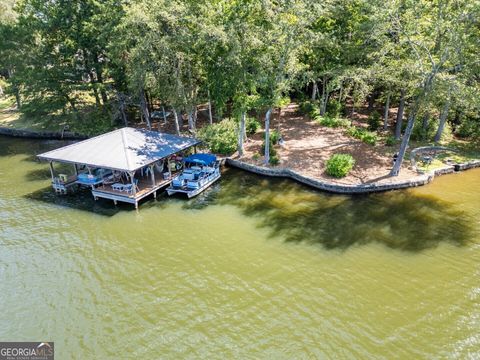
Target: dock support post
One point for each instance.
(154, 194)
(51, 170)
(132, 179)
(152, 172)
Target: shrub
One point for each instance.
(275, 137)
(339, 165)
(469, 128)
(333, 122)
(367, 137)
(221, 138)
(334, 108)
(252, 125)
(374, 121)
(390, 141)
(306, 107)
(271, 149)
(274, 160)
(311, 109)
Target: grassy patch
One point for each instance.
(366, 136)
(332, 122)
(85, 122)
(6, 103)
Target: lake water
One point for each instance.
(253, 268)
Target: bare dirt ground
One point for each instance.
(308, 146)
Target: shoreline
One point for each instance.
(350, 189)
(315, 183)
(45, 135)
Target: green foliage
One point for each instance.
(374, 121)
(275, 137)
(333, 122)
(272, 150)
(335, 108)
(339, 165)
(310, 108)
(221, 138)
(252, 125)
(306, 107)
(274, 160)
(469, 128)
(390, 141)
(367, 137)
(92, 123)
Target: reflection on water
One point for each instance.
(399, 220)
(245, 270)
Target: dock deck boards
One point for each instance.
(145, 189)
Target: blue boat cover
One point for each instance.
(205, 159)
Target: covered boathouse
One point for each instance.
(123, 165)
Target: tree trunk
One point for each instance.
(427, 85)
(371, 100)
(148, 99)
(324, 100)
(177, 125)
(443, 120)
(241, 134)
(121, 102)
(164, 115)
(17, 97)
(385, 116)
(72, 103)
(425, 119)
(403, 147)
(98, 70)
(144, 109)
(195, 117)
(15, 90)
(191, 124)
(314, 91)
(267, 136)
(210, 118)
(401, 107)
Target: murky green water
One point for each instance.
(254, 268)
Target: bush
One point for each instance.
(274, 160)
(333, 122)
(275, 137)
(221, 138)
(311, 109)
(252, 125)
(469, 128)
(306, 107)
(390, 141)
(271, 149)
(334, 108)
(367, 137)
(339, 165)
(374, 121)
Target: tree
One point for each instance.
(439, 44)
